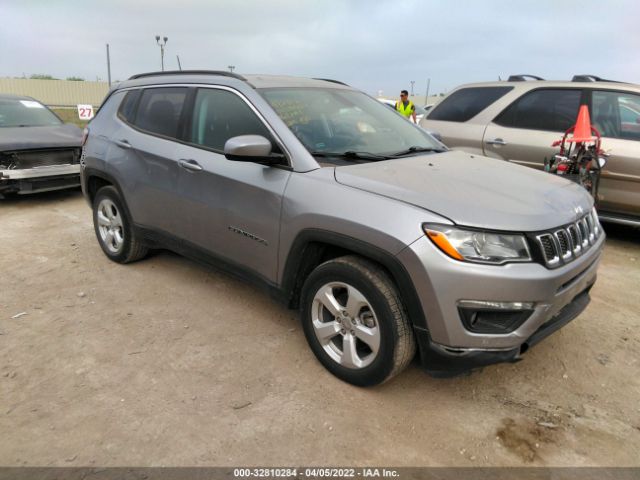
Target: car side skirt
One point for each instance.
(158, 239)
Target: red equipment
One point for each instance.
(581, 157)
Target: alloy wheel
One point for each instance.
(345, 325)
(110, 226)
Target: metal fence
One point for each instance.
(57, 93)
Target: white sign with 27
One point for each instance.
(85, 112)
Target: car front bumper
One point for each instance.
(443, 361)
(448, 347)
(39, 172)
(39, 179)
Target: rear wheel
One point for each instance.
(355, 322)
(114, 229)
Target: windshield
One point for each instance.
(25, 113)
(420, 110)
(345, 121)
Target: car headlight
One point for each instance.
(478, 246)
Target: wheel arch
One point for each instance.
(94, 183)
(95, 180)
(313, 247)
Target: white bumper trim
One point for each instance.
(39, 172)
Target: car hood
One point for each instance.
(26, 138)
(473, 190)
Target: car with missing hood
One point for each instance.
(386, 242)
(38, 151)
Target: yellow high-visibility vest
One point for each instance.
(406, 111)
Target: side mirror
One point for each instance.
(251, 148)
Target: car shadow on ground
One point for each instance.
(14, 199)
(624, 233)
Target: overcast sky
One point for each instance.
(373, 45)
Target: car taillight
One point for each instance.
(85, 135)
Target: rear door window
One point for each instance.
(466, 103)
(159, 110)
(616, 114)
(552, 110)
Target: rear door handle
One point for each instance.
(496, 141)
(123, 144)
(191, 165)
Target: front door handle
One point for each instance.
(123, 144)
(191, 165)
(496, 141)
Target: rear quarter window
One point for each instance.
(105, 114)
(466, 103)
(616, 114)
(127, 108)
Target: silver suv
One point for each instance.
(519, 119)
(384, 240)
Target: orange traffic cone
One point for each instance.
(582, 132)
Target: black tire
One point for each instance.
(132, 248)
(397, 343)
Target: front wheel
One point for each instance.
(355, 322)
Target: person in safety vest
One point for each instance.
(405, 107)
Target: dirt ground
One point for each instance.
(166, 362)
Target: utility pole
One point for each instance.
(108, 66)
(179, 66)
(231, 68)
(412, 82)
(161, 45)
(426, 97)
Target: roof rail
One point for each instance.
(220, 73)
(590, 78)
(522, 78)
(332, 81)
(586, 78)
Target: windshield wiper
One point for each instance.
(414, 149)
(350, 154)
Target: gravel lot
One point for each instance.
(166, 362)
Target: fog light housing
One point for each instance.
(493, 317)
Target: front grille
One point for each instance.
(569, 242)
(584, 233)
(548, 249)
(576, 243)
(562, 236)
(22, 159)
